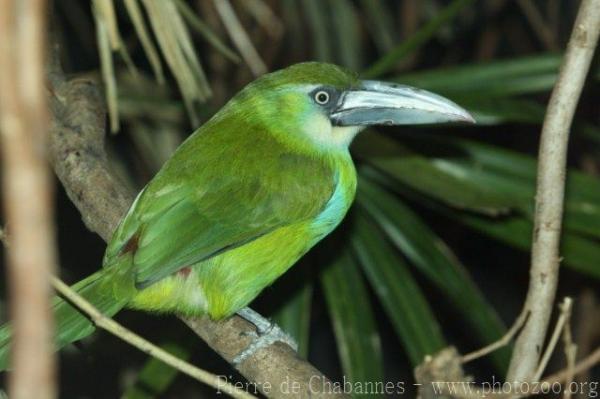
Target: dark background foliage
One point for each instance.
(435, 251)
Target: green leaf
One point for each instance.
(581, 186)
(489, 111)
(435, 260)
(420, 37)
(294, 317)
(486, 179)
(344, 21)
(422, 175)
(316, 16)
(397, 290)
(514, 175)
(353, 321)
(380, 22)
(517, 76)
(579, 253)
(507, 77)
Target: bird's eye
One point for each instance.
(322, 97)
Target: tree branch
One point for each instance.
(27, 193)
(142, 344)
(585, 364)
(78, 156)
(550, 191)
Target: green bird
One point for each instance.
(244, 197)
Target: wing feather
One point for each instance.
(203, 202)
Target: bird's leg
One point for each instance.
(262, 324)
(266, 334)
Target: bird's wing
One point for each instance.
(189, 214)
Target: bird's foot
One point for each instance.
(266, 334)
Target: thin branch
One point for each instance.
(77, 154)
(587, 327)
(137, 19)
(108, 72)
(550, 190)
(539, 26)
(553, 12)
(240, 37)
(3, 237)
(471, 391)
(264, 16)
(565, 315)
(584, 365)
(145, 346)
(205, 31)
(505, 340)
(570, 354)
(464, 389)
(27, 194)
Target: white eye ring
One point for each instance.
(322, 97)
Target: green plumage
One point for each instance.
(244, 197)
(230, 212)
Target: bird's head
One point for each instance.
(323, 105)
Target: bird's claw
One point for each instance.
(264, 336)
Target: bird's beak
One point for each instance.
(379, 103)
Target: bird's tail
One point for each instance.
(70, 324)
